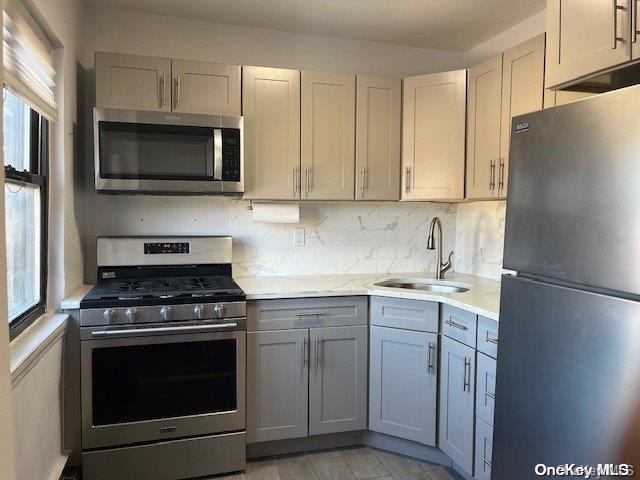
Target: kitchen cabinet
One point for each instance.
(277, 381)
(483, 127)
(403, 384)
(562, 97)
(132, 82)
(271, 109)
(483, 450)
(327, 136)
(457, 387)
(378, 138)
(338, 379)
(433, 136)
(587, 37)
(205, 87)
(522, 92)
(486, 383)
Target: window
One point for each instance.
(25, 192)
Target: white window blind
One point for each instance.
(28, 59)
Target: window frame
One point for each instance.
(36, 176)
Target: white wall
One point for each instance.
(158, 35)
(525, 30)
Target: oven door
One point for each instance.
(166, 153)
(139, 385)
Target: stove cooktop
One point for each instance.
(163, 291)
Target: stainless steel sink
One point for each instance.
(425, 284)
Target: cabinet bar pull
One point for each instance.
(430, 353)
(305, 352)
(307, 187)
(490, 395)
(616, 38)
(178, 90)
(466, 386)
(407, 179)
(501, 175)
(491, 339)
(295, 183)
(453, 324)
(492, 174)
(362, 187)
(315, 348)
(161, 92)
(486, 462)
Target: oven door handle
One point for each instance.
(141, 332)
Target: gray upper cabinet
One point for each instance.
(403, 383)
(132, 82)
(328, 135)
(457, 402)
(378, 138)
(204, 87)
(338, 379)
(582, 40)
(271, 110)
(277, 381)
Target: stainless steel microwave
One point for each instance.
(170, 153)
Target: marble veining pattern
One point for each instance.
(479, 238)
(339, 238)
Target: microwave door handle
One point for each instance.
(217, 154)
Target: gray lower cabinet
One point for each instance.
(338, 379)
(484, 443)
(277, 382)
(403, 384)
(457, 386)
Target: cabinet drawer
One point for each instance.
(488, 336)
(404, 313)
(306, 313)
(484, 446)
(459, 325)
(486, 383)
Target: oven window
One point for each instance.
(155, 152)
(147, 382)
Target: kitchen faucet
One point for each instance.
(441, 267)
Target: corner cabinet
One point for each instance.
(587, 37)
(135, 82)
(433, 136)
(328, 136)
(378, 138)
(271, 108)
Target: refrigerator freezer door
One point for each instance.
(568, 378)
(574, 192)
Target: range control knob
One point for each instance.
(132, 314)
(166, 313)
(200, 312)
(110, 315)
(220, 311)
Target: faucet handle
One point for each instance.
(448, 265)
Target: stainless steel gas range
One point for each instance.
(162, 360)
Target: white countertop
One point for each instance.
(483, 298)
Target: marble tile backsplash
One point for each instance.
(479, 238)
(341, 237)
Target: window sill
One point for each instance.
(28, 347)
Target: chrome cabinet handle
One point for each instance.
(317, 353)
(490, 395)
(430, 354)
(466, 386)
(492, 175)
(407, 179)
(305, 352)
(162, 81)
(178, 89)
(307, 187)
(486, 462)
(491, 339)
(453, 324)
(501, 175)
(363, 186)
(616, 38)
(295, 183)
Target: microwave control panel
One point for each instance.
(231, 154)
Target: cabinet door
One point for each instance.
(433, 136)
(328, 135)
(581, 37)
(483, 127)
(484, 447)
(277, 382)
(338, 379)
(403, 384)
(132, 82)
(378, 138)
(204, 87)
(271, 110)
(522, 92)
(457, 369)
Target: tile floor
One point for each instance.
(358, 463)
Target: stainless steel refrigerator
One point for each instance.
(568, 375)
